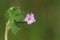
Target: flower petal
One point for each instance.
(27, 17)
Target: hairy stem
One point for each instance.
(7, 28)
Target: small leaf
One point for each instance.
(15, 28)
(19, 17)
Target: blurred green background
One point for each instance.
(47, 25)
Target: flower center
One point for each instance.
(29, 18)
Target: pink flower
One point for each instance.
(30, 18)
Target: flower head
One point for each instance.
(30, 18)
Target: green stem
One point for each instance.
(7, 28)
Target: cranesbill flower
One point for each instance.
(30, 18)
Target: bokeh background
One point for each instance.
(47, 25)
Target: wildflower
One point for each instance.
(30, 18)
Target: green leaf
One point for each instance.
(14, 14)
(19, 17)
(15, 28)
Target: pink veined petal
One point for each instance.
(27, 22)
(27, 17)
(32, 14)
(32, 17)
(30, 22)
